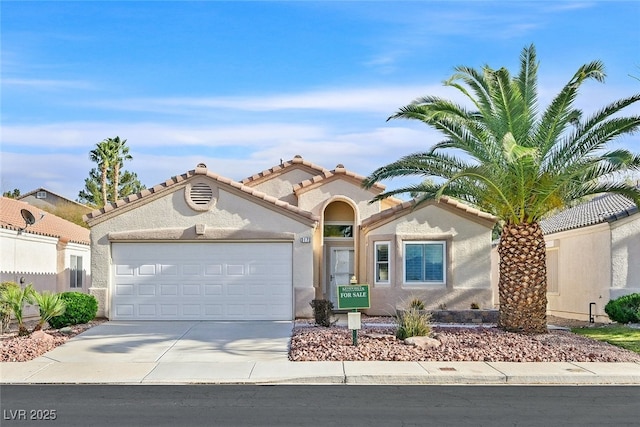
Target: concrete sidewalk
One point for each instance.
(257, 353)
(43, 371)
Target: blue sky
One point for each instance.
(241, 85)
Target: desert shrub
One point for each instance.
(322, 311)
(5, 307)
(80, 308)
(475, 306)
(50, 305)
(417, 304)
(625, 309)
(15, 297)
(413, 323)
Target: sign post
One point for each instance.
(353, 297)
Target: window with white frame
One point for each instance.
(425, 262)
(41, 195)
(75, 272)
(382, 264)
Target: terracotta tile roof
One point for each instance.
(406, 207)
(340, 170)
(201, 169)
(50, 225)
(604, 208)
(279, 169)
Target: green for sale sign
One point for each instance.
(353, 296)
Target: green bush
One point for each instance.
(322, 311)
(625, 309)
(80, 308)
(413, 323)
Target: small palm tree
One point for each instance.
(15, 298)
(518, 164)
(50, 304)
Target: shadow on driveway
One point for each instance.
(178, 341)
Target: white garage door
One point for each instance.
(202, 281)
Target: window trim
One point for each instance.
(445, 260)
(376, 263)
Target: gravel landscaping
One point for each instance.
(376, 341)
(457, 344)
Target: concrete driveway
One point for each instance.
(179, 341)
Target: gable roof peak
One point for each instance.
(297, 161)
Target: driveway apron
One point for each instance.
(177, 341)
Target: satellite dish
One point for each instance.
(28, 217)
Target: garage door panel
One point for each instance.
(251, 281)
(125, 289)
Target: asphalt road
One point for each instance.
(335, 405)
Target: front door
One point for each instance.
(340, 270)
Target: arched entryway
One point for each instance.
(339, 233)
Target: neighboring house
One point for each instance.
(201, 246)
(593, 256)
(50, 201)
(53, 254)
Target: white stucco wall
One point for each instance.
(28, 253)
(625, 256)
(234, 217)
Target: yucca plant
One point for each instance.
(50, 304)
(505, 156)
(15, 298)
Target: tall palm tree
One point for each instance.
(121, 153)
(504, 157)
(103, 156)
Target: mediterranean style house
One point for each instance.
(202, 246)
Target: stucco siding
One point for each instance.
(468, 260)
(584, 271)
(164, 217)
(314, 199)
(281, 186)
(625, 256)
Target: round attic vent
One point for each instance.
(200, 195)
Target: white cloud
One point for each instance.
(43, 84)
(366, 100)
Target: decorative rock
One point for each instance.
(67, 330)
(41, 335)
(378, 336)
(423, 342)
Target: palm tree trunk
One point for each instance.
(116, 179)
(522, 286)
(104, 184)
